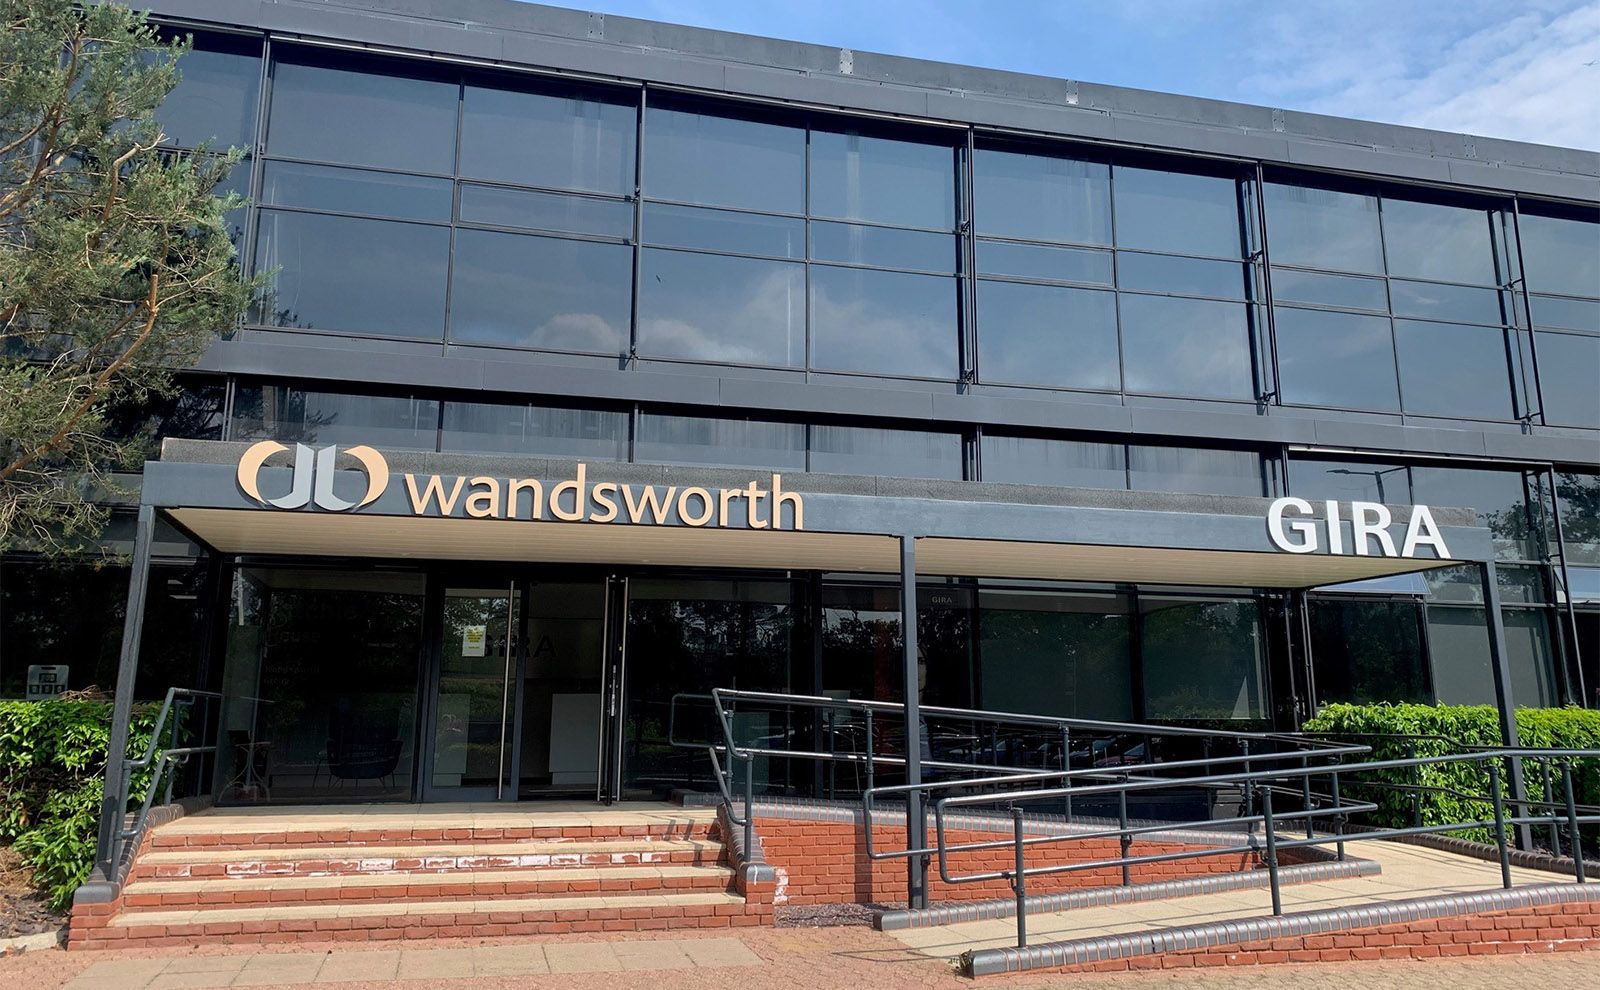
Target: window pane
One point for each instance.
(1186, 347)
(1448, 370)
(1497, 495)
(1067, 463)
(1041, 197)
(893, 453)
(1177, 212)
(1202, 658)
(1047, 335)
(736, 443)
(1344, 291)
(724, 230)
(1194, 470)
(215, 99)
(1569, 379)
(541, 292)
(1323, 228)
(577, 434)
(697, 157)
(1569, 314)
(1365, 652)
(1458, 646)
(1533, 676)
(363, 117)
(1189, 276)
(546, 211)
(1455, 303)
(337, 273)
(1425, 240)
(1315, 479)
(856, 176)
(885, 323)
(883, 247)
(730, 310)
(349, 190)
(1038, 261)
(1560, 254)
(564, 137)
(1046, 653)
(1578, 499)
(293, 415)
(1336, 359)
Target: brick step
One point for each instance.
(425, 858)
(464, 918)
(591, 880)
(195, 837)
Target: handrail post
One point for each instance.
(1338, 816)
(1272, 849)
(1573, 838)
(1122, 821)
(1249, 792)
(1549, 795)
(1019, 878)
(1416, 785)
(872, 760)
(1305, 794)
(749, 805)
(1500, 823)
(1066, 767)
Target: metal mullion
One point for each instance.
(450, 263)
(257, 156)
(967, 266)
(1527, 314)
(290, 160)
(805, 256)
(1116, 302)
(641, 105)
(1388, 297)
(1263, 305)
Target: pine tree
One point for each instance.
(116, 267)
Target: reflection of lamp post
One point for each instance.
(1377, 476)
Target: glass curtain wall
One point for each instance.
(1454, 645)
(320, 681)
(1561, 262)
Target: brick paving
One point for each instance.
(757, 959)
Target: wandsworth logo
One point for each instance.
(313, 476)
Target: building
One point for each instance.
(609, 361)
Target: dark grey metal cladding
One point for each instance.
(201, 474)
(512, 33)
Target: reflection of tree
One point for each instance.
(1368, 651)
(1578, 495)
(281, 413)
(1199, 656)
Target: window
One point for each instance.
(214, 101)
(541, 431)
(719, 308)
(1562, 259)
(886, 323)
(361, 113)
(555, 137)
(542, 292)
(894, 453)
(1189, 347)
(694, 154)
(1037, 195)
(1177, 212)
(1364, 652)
(1066, 463)
(294, 415)
(1317, 479)
(1578, 501)
(1048, 335)
(1048, 653)
(1203, 658)
(1427, 337)
(343, 273)
(722, 442)
(882, 179)
(1196, 470)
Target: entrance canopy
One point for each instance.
(269, 498)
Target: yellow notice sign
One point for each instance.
(473, 640)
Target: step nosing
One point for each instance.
(213, 854)
(129, 918)
(291, 881)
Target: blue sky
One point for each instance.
(1523, 69)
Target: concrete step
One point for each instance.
(336, 889)
(427, 858)
(452, 918)
(197, 833)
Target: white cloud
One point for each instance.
(1530, 74)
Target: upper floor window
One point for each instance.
(1388, 304)
(1059, 234)
(1561, 264)
(214, 102)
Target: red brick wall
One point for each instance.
(826, 862)
(1547, 928)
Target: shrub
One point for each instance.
(52, 772)
(1446, 729)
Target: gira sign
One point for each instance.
(753, 506)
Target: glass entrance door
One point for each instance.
(480, 639)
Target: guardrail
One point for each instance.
(169, 721)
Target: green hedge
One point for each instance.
(1461, 725)
(52, 772)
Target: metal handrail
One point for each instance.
(171, 756)
(1264, 783)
